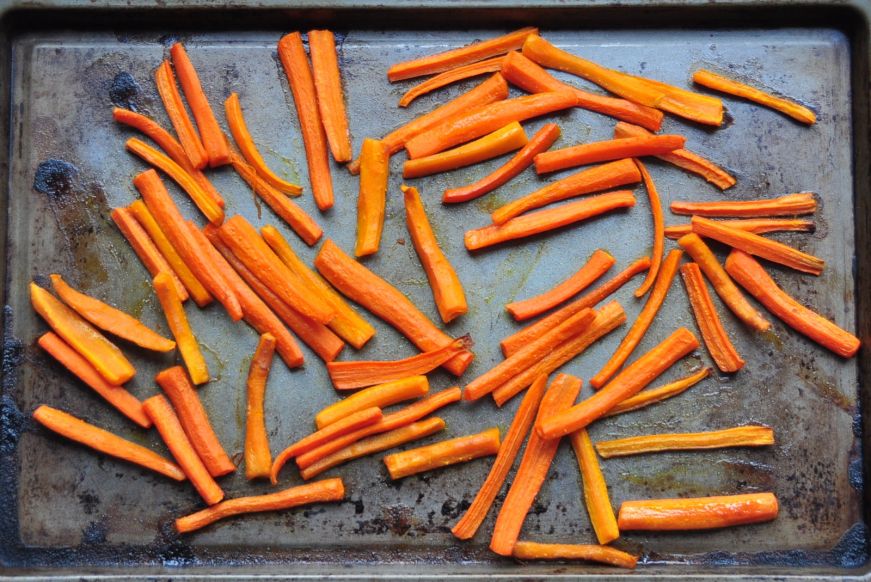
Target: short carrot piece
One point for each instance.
(605, 151)
(654, 395)
(591, 553)
(754, 225)
(595, 489)
(188, 344)
(788, 205)
(491, 65)
(75, 429)
(596, 266)
(719, 83)
(328, 87)
(697, 513)
(443, 454)
(164, 79)
(258, 458)
(739, 436)
(658, 231)
(372, 196)
(381, 396)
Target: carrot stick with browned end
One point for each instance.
(740, 436)
(591, 553)
(697, 513)
(658, 231)
(788, 205)
(372, 196)
(754, 225)
(605, 151)
(654, 395)
(732, 87)
(258, 459)
(328, 86)
(491, 65)
(443, 454)
(164, 79)
(382, 396)
(595, 489)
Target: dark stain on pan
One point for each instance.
(95, 532)
(125, 92)
(12, 421)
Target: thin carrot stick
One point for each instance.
(443, 454)
(604, 554)
(451, 76)
(372, 196)
(788, 205)
(724, 85)
(595, 489)
(328, 86)
(188, 345)
(654, 395)
(164, 79)
(605, 151)
(258, 459)
(755, 225)
(658, 231)
(697, 513)
(381, 395)
(739, 436)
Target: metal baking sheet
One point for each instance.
(66, 510)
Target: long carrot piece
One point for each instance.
(302, 85)
(788, 205)
(697, 513)
(755, 225)
(491, 65)
(188, 345)
(328, 86)
(606, 555)
(752, 277)
(724, 85)
(520, 425)
(536, 461)
(381, 395)
(372, 196)
(658, 231)
(605, 151)
(642, 323)
(595, 489)
(654, 395)
(78, 430)
(624, 385)
(360, 284)
(739, 436)
(443, 454)
(458, 57)
(258, 459)
(164, 79)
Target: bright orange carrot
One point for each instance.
(755, 225)
(788, 205)
(654, 395)
(443, 454)
(451, 76)
(78, 430)
(714, 335)
(328, 86)
(697, 513)
(724, 85)
(188, 345)
(258, 459)
(658, 231)
(382, 396)
(164, 79)
(739, 436)
(605, 151)
(595, 489)
(604, 554)
(372, 196)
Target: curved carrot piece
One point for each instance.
(443, 454)
(697, 513)
(188, 344)
(739, 436)
(382, 396)
(372, 196)
(164, 79)
(604, 554)
(595, 489)
(328, 85)
(492, 65)
(258, 459)
(755, 225)
(788, 205)
(605, 151)
(654, 395)
(658, 231)
(785, 106)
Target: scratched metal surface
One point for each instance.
(74, 509)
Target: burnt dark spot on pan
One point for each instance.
(95, 533)
(89, 502)
(453, 509)
(56, 179)
(125, 92)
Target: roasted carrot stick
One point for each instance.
(642, 323)
(451, 76)
(164, 79)
(372, 196)
(595, 489)
(302, 85)
(447, 290)
(724, 85)
(755, 225)
(172, 433)
(317, 492)
(328, 87)
(458, 57)
(654, 395)
(477, 511)
(624, 385)
(372, 292)
(258, 459)
(188, 345)
(443, 454)
(117, 396)
(605, 151)
(84, 339)
(382, 396)
(682, 158)
(522, 337)
(534, 465)
(592, 553)
(497, 143)
(658, 231)
(739, 436)
(788, 205)
(751, 276)
(596, 266)
(697, 513)
(604, 177)
(110, 319)
(78, 430)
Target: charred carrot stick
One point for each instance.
(372, 196)
(755, 225)
(724, 85)
(642, 323)
(328, 87)
(604, 177)
(168, 425)
(458, 57)
(381, 298)
(164, 79)
(110, 319)
(788, 205)
(451, 76)
(381, 395)
(82, 432)
(658, 231)
(534, 465)
(591, 553)
(447, 290)
(654, 395)
(624, 385)
(258, 459)
(595, 489)
(522, 337)
(697, 513)
(543, 139)
(739, 436)
(596, 266)
(188, 345)
(497, 143)
(117, 396)
(302, 85)
(751, 276)
(317, 492)
(477, 511)
(443, 454)
(605, 151)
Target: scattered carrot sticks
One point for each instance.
(595, 489)
(78, 430)
(328, 87)
(724, 85)
(188, 345)
(382, 396)
(605, 151)
(754, 225)
(372, 196)
(443, 454)
(164, 78)
(658, 231)
(788, 205)
(258, 459)
(451, 76)
(739, 436)
(458, 57)
(596, 266)
(714, 335)
(751, 276)
(592, 553)
(697, 513)
(654, 395)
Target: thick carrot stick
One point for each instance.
(381, 298)
(477, 511)
(258, 459)
(605, 151)
(788, 205)
(447, 290)
(497, 143)
(654, 395)
(724, 85)
(604, 177)
(328, 87)
(302, 85)
(697, 513)
(596, 266)
(78, 430)
(642, 323)
(317, 492)
(751, 276)
(117, 396)
(592, 553)
(543, 139)
(172, 433)
(188, 345)
(381, 395)
(537, 458)
(451, 76)
(372, 196)
(443, 454)
(624, 385)
(164, 79)
(458, 57)
(739, 436)
(595, 489)
(658, 231)
(755, 225)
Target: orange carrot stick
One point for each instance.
(302, 85)
(739, 436)
(372, 196)
(451, 76)
(382, 396)
(604, 554)
(595, 489)
(188, 345)
(624, 385)
(658, 231)
(328, 86)
(750, 275)
(697, 513)
(536, 461)
(258, 459)
(164, 79)
(477, 511)
(78, 430)
(596, 266)
(654, 395)
(788, 205)
(605, 151)
(458, 57)
(443, 454)
(724, 85)
(755, 225)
